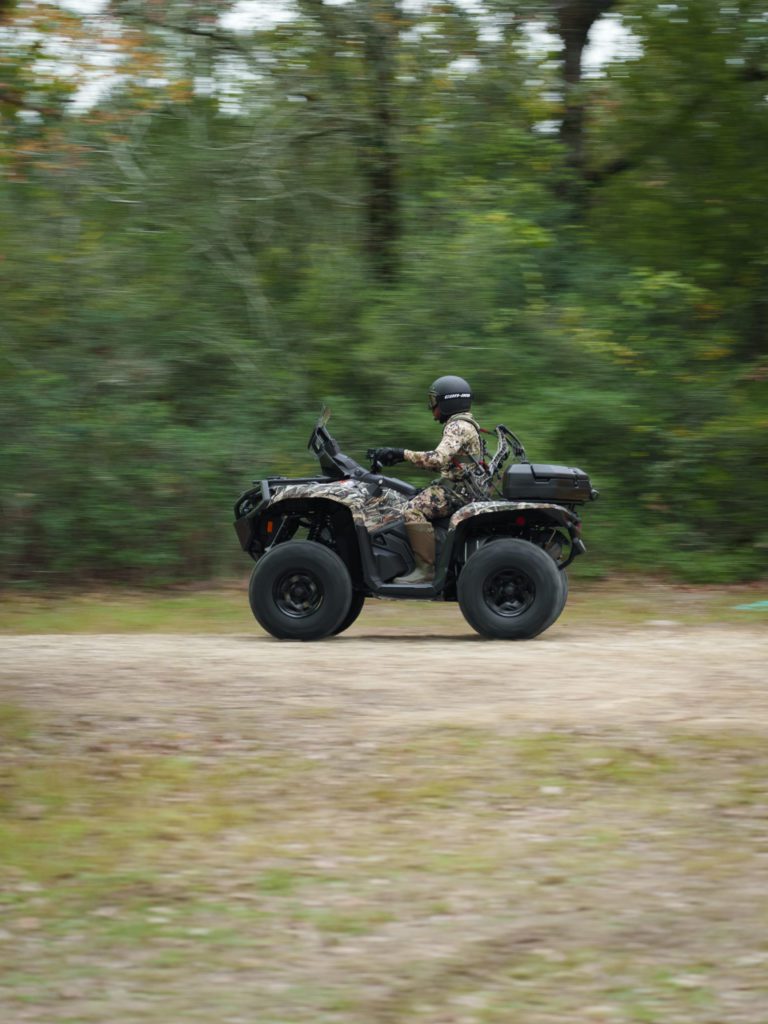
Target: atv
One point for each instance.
(322, 544)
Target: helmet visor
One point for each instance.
(432, 400)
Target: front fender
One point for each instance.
(348, 495)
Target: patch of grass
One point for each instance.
(69, 817)
(617, 601)
(214, 611)
(278, 880)
(573, 758)
(266, 886)
(347, 922)
(15, 724)
(634, 601)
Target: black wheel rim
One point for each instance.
(298, 594)
(509, 593)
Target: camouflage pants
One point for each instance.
(433, 502)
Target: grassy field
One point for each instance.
(224, 608)
(456, 877)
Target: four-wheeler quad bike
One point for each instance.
(323, 544)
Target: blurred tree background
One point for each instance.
(215, 216)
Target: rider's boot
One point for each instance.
(422, 539)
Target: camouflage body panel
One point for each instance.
(369, 512)
(461, 436)
(477, 508)
(373, 513)
(433, 502)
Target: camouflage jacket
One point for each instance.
(460, 438)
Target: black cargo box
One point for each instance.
(535, 482)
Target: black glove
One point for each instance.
(387, 456)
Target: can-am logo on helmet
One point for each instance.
(463, 394)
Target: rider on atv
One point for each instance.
(461, 449)
(322, 544)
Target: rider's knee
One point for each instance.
(414, 515)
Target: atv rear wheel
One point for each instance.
(510, 590)
(557, 611)
(300, 590)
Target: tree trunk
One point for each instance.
(573, 21)
(376, 24)
(379, 160)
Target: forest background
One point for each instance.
(211, 224)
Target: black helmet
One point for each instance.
(449, 395)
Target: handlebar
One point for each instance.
(371, 456)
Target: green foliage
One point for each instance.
(186, 278)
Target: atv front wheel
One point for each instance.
(356, 606)
(510, 590)
(300, 590)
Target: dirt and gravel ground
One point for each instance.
(368, 685)
(405, 824)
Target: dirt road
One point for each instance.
(368, 684)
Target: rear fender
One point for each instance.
(508, 519)
(485, 513)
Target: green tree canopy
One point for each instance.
(342, 206)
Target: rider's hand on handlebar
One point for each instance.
(386, 456)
